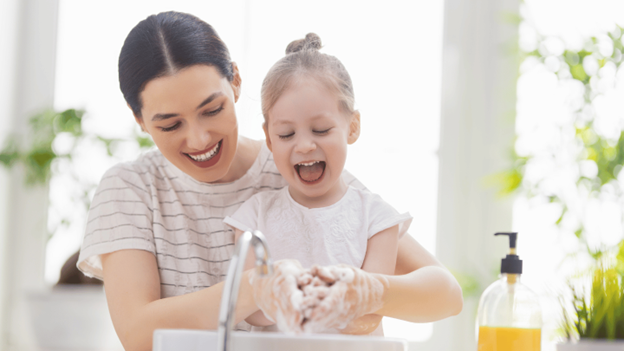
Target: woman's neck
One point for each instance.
(246, 153)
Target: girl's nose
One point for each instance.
(198, 138)
(305, 145)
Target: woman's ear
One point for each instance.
(139, 120)
(236, 81)
(266, 136)
(354, 128)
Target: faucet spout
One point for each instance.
(264, 266)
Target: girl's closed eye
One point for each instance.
(322, 132)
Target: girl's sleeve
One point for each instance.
(382, 215)
(246, 217)
(352, 181)
(120, 217)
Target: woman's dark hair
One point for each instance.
(163, 44)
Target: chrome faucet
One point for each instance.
(264, 266)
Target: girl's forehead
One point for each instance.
(304, 95)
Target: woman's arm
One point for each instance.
(132, 286)
(422, 290)
(381, 256)
(258, 318)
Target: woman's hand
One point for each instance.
(278, 295)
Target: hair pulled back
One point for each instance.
(163, 44)
(304, 59)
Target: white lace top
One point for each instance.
(330, 235)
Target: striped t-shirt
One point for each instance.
(149, 204)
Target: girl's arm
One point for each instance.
(428, 292)
(381, 257)
(132, 286)
(422, 290)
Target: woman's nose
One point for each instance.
(198, 138)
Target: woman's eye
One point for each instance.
(213, 112)
(168, 129)
(285, 136)
(321, 132)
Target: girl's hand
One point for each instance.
(353, 293)
(278, 295)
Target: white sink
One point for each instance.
(204, 340)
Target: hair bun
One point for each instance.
(310, 42)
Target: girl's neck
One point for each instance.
(333, 195)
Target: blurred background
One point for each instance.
(478, 116)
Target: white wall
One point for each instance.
(477, 128)
(28, 35)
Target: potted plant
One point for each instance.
(596, 320)
(73, 314)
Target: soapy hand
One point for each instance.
(352, 293)
(278, 296)
(317, 299)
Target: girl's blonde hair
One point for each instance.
(304, 59)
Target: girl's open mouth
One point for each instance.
(209, 158)
(310, 172)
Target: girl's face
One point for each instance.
(308, 134)
(191, 117)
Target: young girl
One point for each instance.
(307, 102)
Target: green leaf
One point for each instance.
(69, 121)
(145, 142)
(469, 284)
(578, 73)
(8, 158)
(38, 163)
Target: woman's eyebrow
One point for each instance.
(161, 116)
(209, 99)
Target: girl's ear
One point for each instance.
(354, 128)
(139, 120)
(236, 82)
(266, 136)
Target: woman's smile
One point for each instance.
(208, 157)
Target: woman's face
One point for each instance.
(191, 118)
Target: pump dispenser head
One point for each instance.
(512, 264)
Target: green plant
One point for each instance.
(598, 310)
(38, 151)
(578, 145)
(37, 157)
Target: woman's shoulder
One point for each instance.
(148, 168)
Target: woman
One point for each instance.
(155, 233)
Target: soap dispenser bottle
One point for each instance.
(509, 316)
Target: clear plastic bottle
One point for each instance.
(509, 316)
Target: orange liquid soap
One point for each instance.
(509, 339)
(509, 315)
